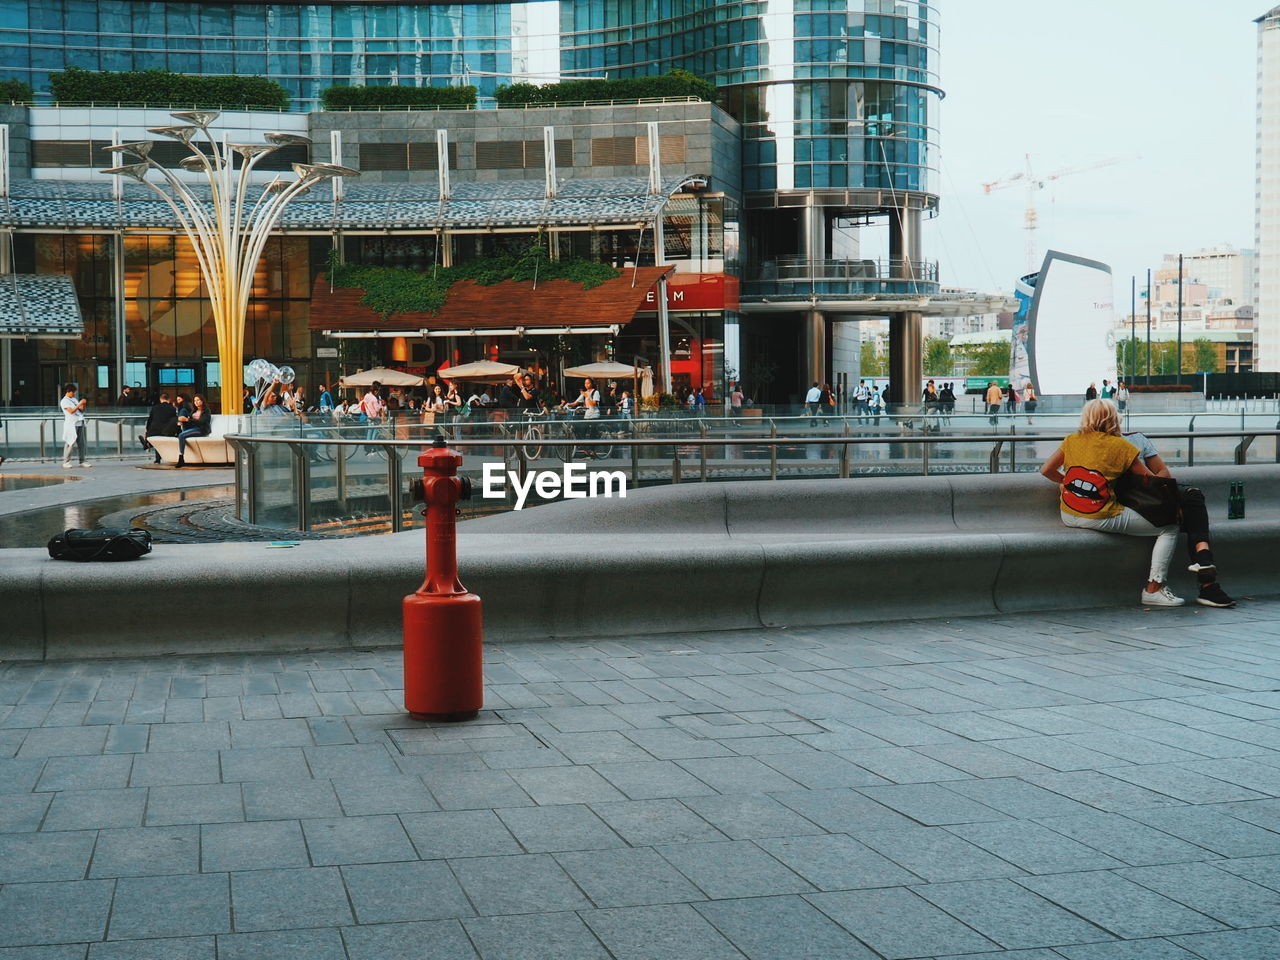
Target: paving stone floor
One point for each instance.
(1097, 785)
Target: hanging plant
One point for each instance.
(394, 290)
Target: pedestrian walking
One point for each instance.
(1122, 396)
(1010, 399)
(861, 396)
(811, 401)
(947, 400)
(993, 398)
(1029, 400)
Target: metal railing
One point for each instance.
(39, 436)
(806, 268)
(295, 482)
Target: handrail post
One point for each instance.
(251, 471)
(925, 445)
(675, 467)
(393, 488)
(844, 454)
(1013, 447)
(42, 423)
(702, 461)
(302, 484)
(1242, 449)
(239, 474)
(773, 450)
(635, 457)
(994, 462)
(120, 438)
(340, 475)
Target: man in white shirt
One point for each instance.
(72, 426)
(811, 401)
(860, 397)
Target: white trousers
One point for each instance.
(1133, 524)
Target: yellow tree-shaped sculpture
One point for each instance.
(229, 230)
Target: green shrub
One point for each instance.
(16, 90)
(164, 88)
(394, 290)
(395, 96)
(677, 83)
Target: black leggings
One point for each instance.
(1195, 517)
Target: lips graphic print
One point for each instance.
(1085, 490)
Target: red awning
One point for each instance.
(472, 308)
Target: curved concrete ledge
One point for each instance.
(694, 557)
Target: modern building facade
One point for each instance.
(1267, 199)
(825, 128)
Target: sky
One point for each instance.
(1167, 86)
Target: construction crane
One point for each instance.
(1033, 183)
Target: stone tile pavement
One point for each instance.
(1096, 785)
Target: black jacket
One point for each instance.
(162, 421)
(200, 420)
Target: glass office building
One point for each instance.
(835, 101)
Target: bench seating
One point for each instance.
(200, 450)
(791, 555)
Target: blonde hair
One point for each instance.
(1100, 416)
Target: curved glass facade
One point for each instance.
(831, 93)
(303, 46)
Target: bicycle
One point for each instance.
(531, 434)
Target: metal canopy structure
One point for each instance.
(39, 306)
(373, 207)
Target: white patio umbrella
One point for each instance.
(385, 376)
(479, 370)
(605, 370)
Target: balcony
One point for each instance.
(802, 278)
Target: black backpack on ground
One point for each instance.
(86, 545)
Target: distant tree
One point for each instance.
(1164, 359)
(989, 359)
(1204, 357)
(937, 357)
(871, 364)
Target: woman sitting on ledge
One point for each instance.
(1086, 468)
(196, 425)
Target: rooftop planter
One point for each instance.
(162, 88)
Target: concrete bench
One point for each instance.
(688, 558)
(200, 450)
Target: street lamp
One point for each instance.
(229, 230)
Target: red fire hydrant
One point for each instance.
(443, 632)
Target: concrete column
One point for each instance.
(120, 337)
(906, 364)
(813, 227)
(815, 344)
(906, 361)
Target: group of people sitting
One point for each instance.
(1089, 468)
(183, 418)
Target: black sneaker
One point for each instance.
(1212, 595)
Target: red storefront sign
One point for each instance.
(697, 292)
